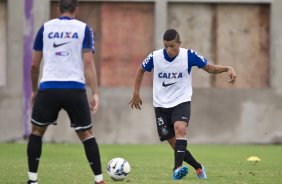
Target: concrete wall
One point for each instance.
(127, 35)
(236, 116)
(226, 34)
(233, 115)
(243, 41)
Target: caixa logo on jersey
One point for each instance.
(70, 35)
(163, 75)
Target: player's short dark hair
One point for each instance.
(68, 5)
(171, 34)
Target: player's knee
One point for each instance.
(180, 132)
(39, 131)
(84, 135)
(180, 129)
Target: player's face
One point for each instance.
(172, 47)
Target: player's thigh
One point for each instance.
(164, 124)
(46, 108)
(77, 108)
(181, 112)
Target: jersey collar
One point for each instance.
(65, 18)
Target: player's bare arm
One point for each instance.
(216, 69)
(91, 78)
(136, 100)
(35, 69)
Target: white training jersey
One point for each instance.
(62, 40)
(172, 80)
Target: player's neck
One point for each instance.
(70, 15)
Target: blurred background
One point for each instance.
(246, 34)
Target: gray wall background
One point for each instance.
(218, 115)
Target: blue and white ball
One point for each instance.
(118, 168)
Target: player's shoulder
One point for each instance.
(158, 53)
(183, 50)
(50, 22)
(78, 22)
(192, 51)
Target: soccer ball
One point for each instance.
(118, 169)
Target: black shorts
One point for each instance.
(48, 104)
(166, 117)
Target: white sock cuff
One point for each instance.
(32, 176)
(99, 178)
(183, 138)
(88, 138)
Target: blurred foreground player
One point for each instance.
(66, 46)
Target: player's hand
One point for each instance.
(94, 104)
(232, 75)
(136, 102)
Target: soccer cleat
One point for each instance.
(201, 172)
(180, 172)
(31, 182)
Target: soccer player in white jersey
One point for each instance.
(172, 91)
(66, 46)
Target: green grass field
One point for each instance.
(150, 164)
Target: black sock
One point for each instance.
(93, 155)
(34, 148)
(191, 160)
(179, 152)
